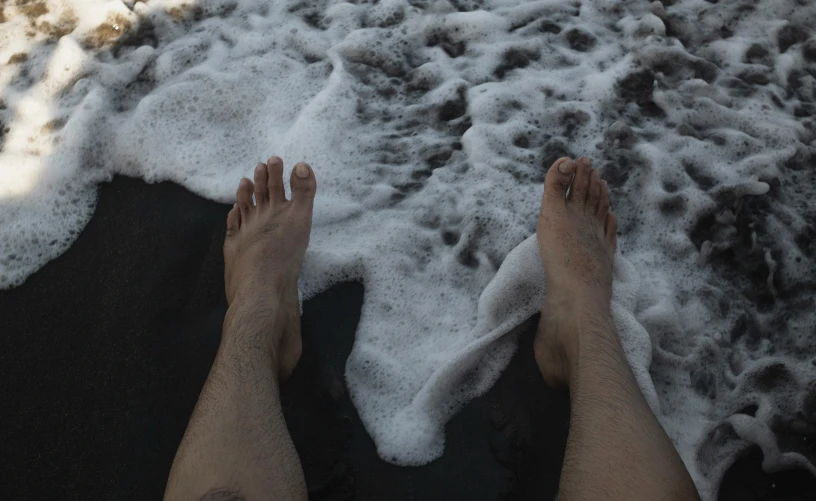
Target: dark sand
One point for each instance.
(106, 349)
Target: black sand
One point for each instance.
(106, 348)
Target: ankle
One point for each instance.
(580, 297)
(581, 313)
(569, 331)
(597, 344)
(249, 321)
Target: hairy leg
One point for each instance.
(236, 446)
(616, 448)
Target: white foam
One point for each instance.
(430, 126)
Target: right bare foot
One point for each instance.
(577, 240)
(264, 248)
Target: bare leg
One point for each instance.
(236, 446)
(616, 448)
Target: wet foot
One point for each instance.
(577, 240)
(263, 250)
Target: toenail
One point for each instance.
(566, 166)
(587, 162)
(301, 170)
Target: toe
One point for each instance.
(580, 185)
(244, 197)
(593, 192)
(603, 203)
(261, 191)
(274, 168)
(233, 221)
(559, 177)
(611, 230)
(304, 185)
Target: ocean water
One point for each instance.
(430, 125)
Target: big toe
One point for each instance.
(559, 178)
(304, 185)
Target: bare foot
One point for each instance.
(263, 251)
(577, 241)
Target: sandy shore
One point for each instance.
(108, 345)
